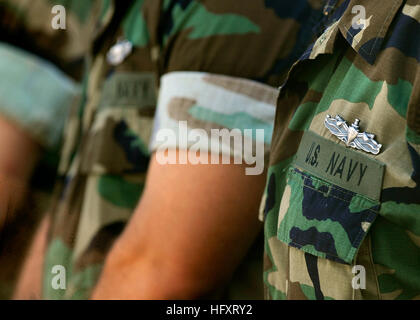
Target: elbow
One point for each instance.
(154, 277)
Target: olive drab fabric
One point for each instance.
(143, 67)
(334, 230)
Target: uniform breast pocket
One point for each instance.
(117, 141)
(323, 219)
(330, 200)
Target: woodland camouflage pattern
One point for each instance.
(105, 152)
(316, 231)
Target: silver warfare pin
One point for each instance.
(119, 51)
(351, 136)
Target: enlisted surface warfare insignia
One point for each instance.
(351, 135)
(119, 51)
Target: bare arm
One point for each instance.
(190, 230)
(18, 157)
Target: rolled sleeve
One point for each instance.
(208, 101)
(35, 94)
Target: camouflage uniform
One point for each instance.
(35, 94)
(189, 58)
(331, 210)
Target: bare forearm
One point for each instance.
(18, 157)
(18, 152)
(191, 229)
(141, 278)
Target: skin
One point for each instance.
(29, 285)
(189, 232)
(19, 154)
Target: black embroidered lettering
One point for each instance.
(340, 168)
(332, 164)
(362, 173)
(351, 169)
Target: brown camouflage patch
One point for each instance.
(259, 93)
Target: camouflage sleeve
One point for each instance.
(221, 65)
(39, 64)
(34, 94)
(205, 104)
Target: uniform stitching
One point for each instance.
(348, 257)
(333, 187)
(360, 235)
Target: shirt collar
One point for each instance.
(366, 36)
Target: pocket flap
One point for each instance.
(323, 219)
